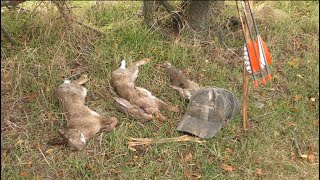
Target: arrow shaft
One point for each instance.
(246, 41)
(259, 39)
(250, 34)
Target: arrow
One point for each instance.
(249, 46)
(264, 52)
(253, 45)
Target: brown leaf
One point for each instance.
(227, 167)
(31, 96)
(49, 151)
(297, 97)
(51, 116)
(29, 164)
(231, 151)
(316, 123)
(6, 77)
(294, 63)
(196, 175)
(292, 155)
(88, 166)
(311, 158)
(23, 174)
(250, 125)
(259, 171)
(187, 157)
(60, 173)
(259, 160)
(291, 124)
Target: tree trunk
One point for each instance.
(149, 8)
(199, 13)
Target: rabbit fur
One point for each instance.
(136, 101)
(82, 122)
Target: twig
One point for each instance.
(87, 26)
(67, 18)
(44, 157)
(6, 34)
(147, 141)
(297, 146)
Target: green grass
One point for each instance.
(51, 51)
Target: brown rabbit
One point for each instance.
(180, 82)
(136, 99)
(82, 122)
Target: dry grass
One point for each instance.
(53, 50)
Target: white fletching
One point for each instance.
(246, 58)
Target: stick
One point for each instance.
(6, 34)
(245, 97)
(297, 146)
(147, 141)
(44, 157)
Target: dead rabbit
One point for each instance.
(82, 122)
(136, 101)
(181, 83)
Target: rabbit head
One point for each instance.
(73, 138)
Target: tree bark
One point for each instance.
(149, 8)
(199, 13)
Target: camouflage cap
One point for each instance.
(209, 109)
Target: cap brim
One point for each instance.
(200, 128)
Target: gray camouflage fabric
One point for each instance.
(209, 109)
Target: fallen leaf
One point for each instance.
(294, 63)
(313, 99)
(292, 155)
(6, 77)
(259, 171)
(31, 96)
(51, 116)
(114, 46)
(23, 174)
(187, 157)
(297, 97)
(196, 175)
(227, 167)
(316, 123)
(49, 151)
(304, 156)
(19, 142)
(291, 124)
(299, 75)
(230, 151)
(259, 160)
(311, 158)
(29, 163)
(88, 166)
(60, 173)
(250, 125)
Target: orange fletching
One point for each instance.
(266, 50)
(252, 56)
